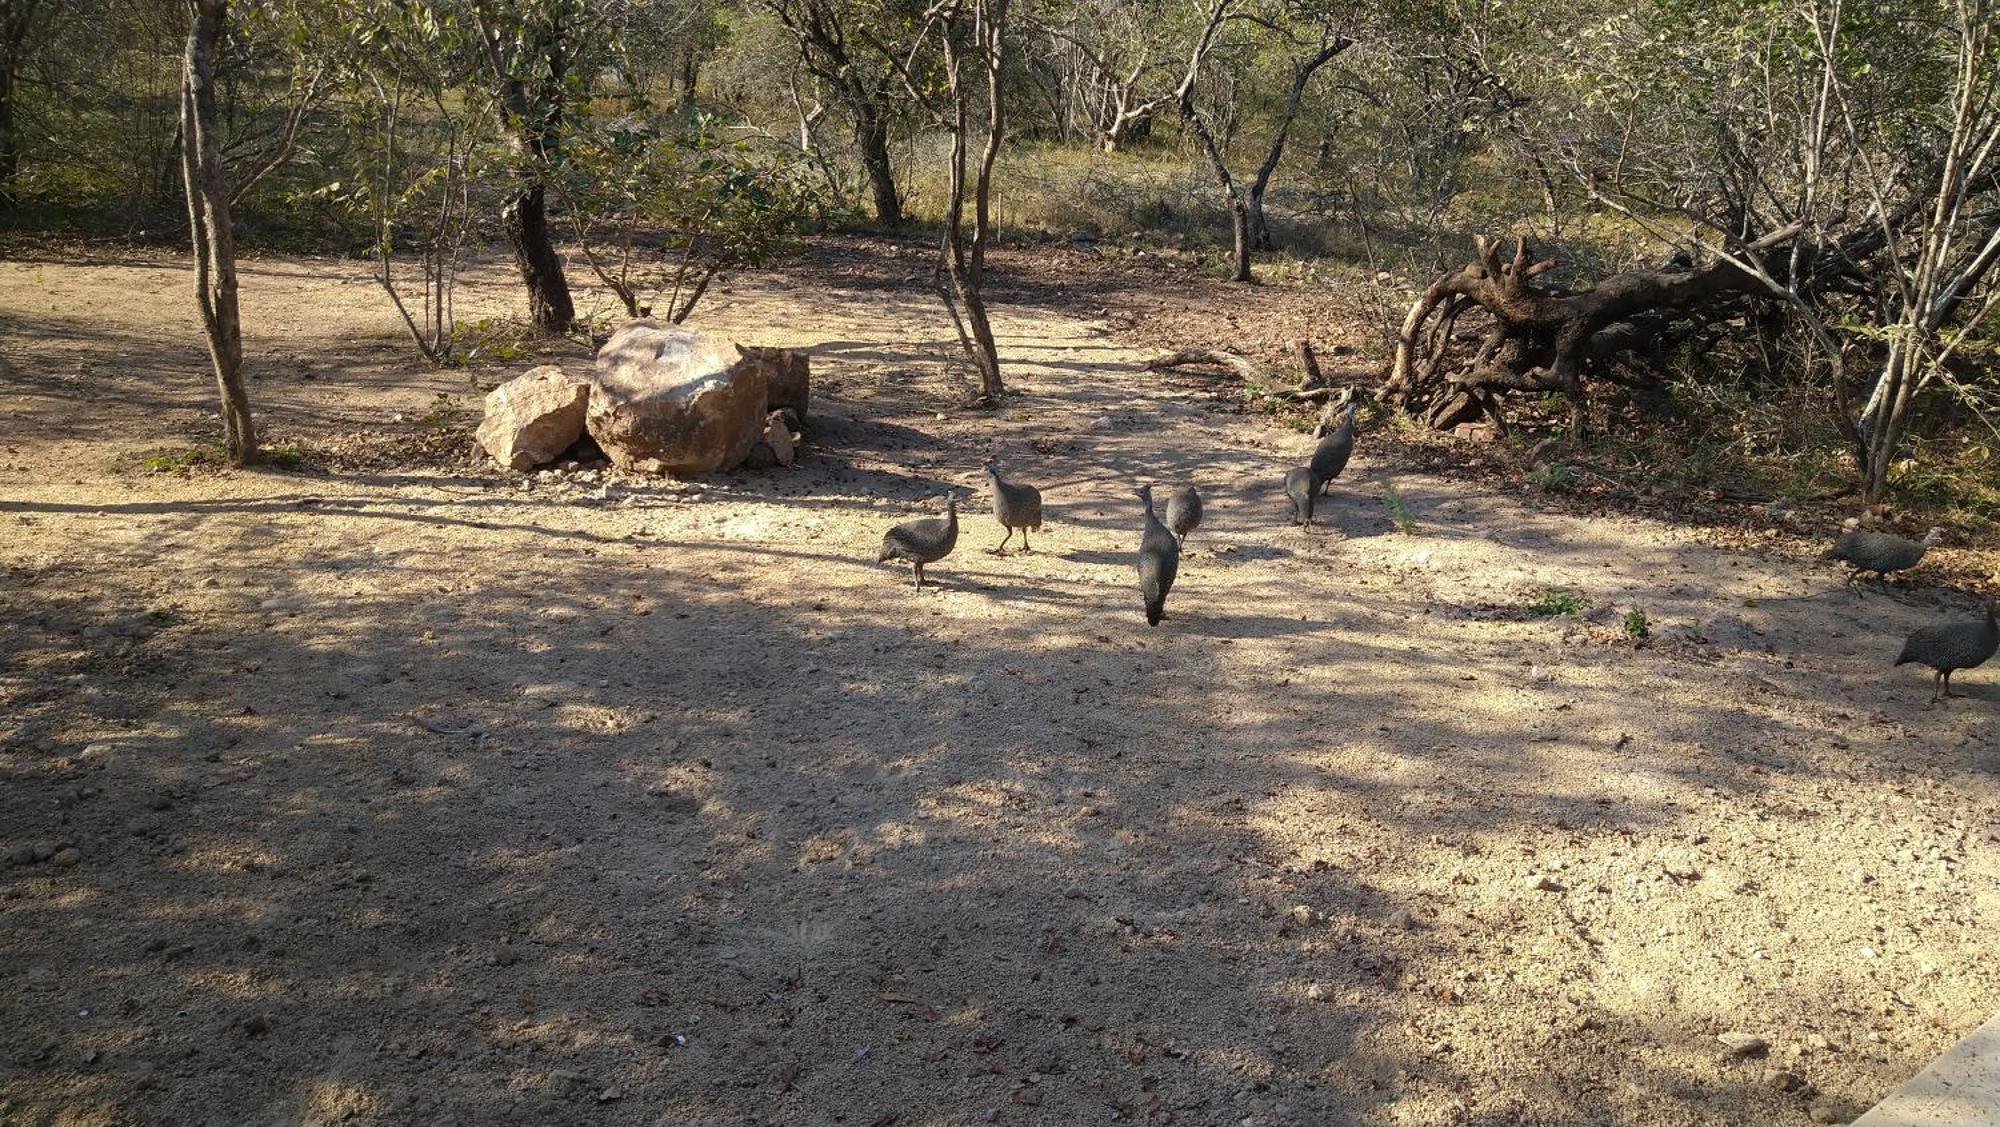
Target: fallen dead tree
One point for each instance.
(1544, 338)
(1310, 388)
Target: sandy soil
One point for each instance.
(421, 794)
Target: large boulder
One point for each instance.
(668, 399)
(787, 374)
(533, 417)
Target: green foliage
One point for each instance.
(1399, 511)
(662, 209)
(1637, 626)
(285, 457)
(1551, 478)
(185, 461)
(1558, 601)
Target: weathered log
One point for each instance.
(1249, 370)
(1545, 338)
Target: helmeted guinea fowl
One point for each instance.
(1301, 488)
(1183, 512)
(1879, 552)
(1015, 506)
(1951, 647)
(1159, 561)
(922, 541)
(1330, 456)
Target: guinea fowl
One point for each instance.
(922, 541)
(1015, 506)
(1879, 552)
(1159, 561)
(1330, 457)
(1951, 647)
(1301, 488)
(1183, 512)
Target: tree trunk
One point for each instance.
(965, 257)
(1242, 233)
(525, 217)
(209, 220)
(871, 137)
(1260, 229)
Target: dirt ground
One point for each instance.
(419, 792)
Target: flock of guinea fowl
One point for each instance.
(1945, 648)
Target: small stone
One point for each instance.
(1306, 914)
(1779, 1080)
(256, 1025)
(1824, 1112)
(1316, 992)
(20, 853)
(67, 858)
(1546, 883)
(610, 1095)
(43, 850)
(1401, 918)
(1744, 1044)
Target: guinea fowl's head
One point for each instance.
(990, 463)
(1850, 524)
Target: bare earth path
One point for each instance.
(441, 797)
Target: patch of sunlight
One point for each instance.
(328, 1100)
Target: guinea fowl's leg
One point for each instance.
(1025, 549)
(1948, 694)
(1001, 548)
(920, 575)
(1937, 687)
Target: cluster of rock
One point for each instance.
(660, 399)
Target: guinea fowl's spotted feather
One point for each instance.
(1159, 561)
(1952, 647)
(1330, 457)
(1015, 506)
(1183, 511)
(1302, 489)
(1879, 552)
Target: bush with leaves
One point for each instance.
(660, 213)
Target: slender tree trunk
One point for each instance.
(1302, 73)
(1242, 228)
(871, 137)
(208, 217)
(525, 218)
(965, 257)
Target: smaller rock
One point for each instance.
(1306, 914)
(43, 850)
(532, 419)
(20, 853)
(1316, 992)
(1401, 918)
(1546, 883)
(779, 437)
(1744, 1044)
(1825, 1112)
(610, 1095)
(256, 1025)
(67, 858)
(1779, 1080)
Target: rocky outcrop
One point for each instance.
(668, 399)
(533, 417)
